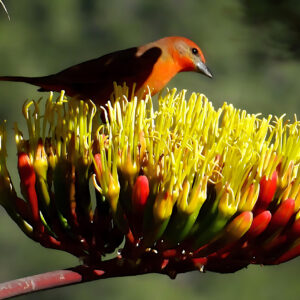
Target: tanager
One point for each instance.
(149, 67)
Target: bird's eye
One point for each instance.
(195, 51)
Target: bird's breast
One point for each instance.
(163, 71)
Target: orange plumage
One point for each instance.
(150, 66)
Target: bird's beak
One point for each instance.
(202, 68)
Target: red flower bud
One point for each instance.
(140, 194)
(266, 193)
(282, 215)
(260, 223)
(26, 170)
(28, 179)
(295, 230)
(290, 254)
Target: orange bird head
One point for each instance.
(188, 55)
(176, 54)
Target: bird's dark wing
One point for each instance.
(122, 63)
(100, 73)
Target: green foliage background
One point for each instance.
(253, 69)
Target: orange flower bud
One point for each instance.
(239, 225)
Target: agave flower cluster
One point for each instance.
(215, 189)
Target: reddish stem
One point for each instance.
(115, 267)
(39, 282)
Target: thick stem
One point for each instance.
(116, 267)
(39, 282)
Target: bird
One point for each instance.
(146, 68)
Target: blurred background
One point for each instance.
(252, 48)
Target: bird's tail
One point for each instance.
(46, 83)
(30, 80)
